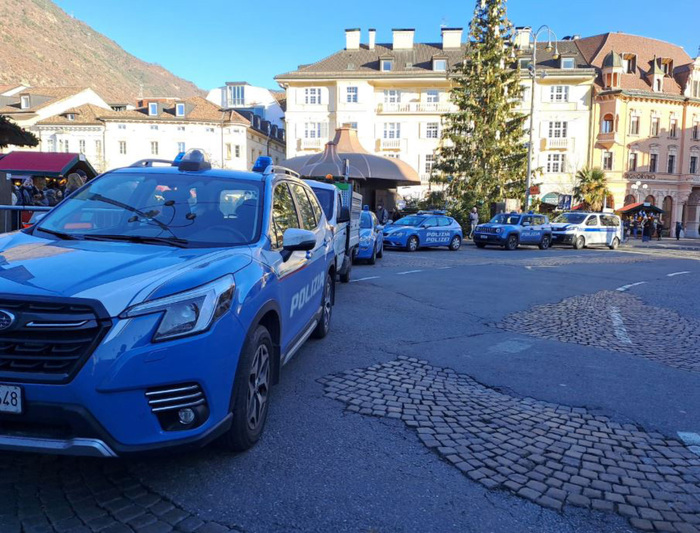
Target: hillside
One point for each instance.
(40, 44)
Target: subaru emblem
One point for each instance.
(6, 319)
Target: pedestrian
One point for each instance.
(473, 221)
(646, 229)
(679, 230)
(635, 227)
(659, 229)
(27, 192)
(73, 183)
(626, 229)
(382, 214)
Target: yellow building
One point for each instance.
(646, 122)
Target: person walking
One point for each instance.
(473, 221)
(635, 227)
(382, 214)
(646, 230)
(73, 183)
(659, 228)
(679, 229)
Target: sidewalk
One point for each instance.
(668, 243)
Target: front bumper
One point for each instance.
(563, 238)
(365, 251)
(489, 238)
(104, 410)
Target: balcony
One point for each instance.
(558, 143)
(607, 140)
(415, 108)
(311, 144)
(390, 144)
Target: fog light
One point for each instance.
(186, 416)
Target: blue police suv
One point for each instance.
(155, 308)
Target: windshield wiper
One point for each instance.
(169, 241)
(147, 216)
(60, 234)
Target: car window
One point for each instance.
(526, 219)
(503, 218)
(540, 220)
(314, 205)
(306, 211)
(410, 221)
(444, 221)
(570, 218)
(284, 214)
(366, 220)
(325, 197)
(430, 222)
(608, 220)
(592, 220)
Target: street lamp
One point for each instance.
(533, 74)
(639, 185)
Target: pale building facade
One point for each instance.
(242, 96)
(393, 94)
(646, 123)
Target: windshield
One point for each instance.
(570, 218)
(504, 218)
(325, 198)
(180, 209)
(409, 221)
(366, 220)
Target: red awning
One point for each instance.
(639, 206)
(52, 164)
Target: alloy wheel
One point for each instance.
(258, 386)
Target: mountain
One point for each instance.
(40, 44)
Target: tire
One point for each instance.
(380, 253)
(480, 245)
(345, 277)
(511, 242)
(324, 326)
(251, 392)
(545, 242)
(455, 243)
(579, 242)
(615, 243)
(373, 259)
(412, 243)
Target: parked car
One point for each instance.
(426, 229)
(371, 241)
(510, 230)
(342, 208)
(166, 323)
(583, 229)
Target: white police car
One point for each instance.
(584, 229)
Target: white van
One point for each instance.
(584, 229)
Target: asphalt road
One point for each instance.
(424, 407)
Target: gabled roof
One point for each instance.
(200, 110)
(41, 97)
(596, 48)
(86, 114)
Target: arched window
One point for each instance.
(610, 202)
(630, 199)
(650, 199)
(668, 207)
(608, 123)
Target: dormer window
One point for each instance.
(568, 63)
(666, 64)
(629, 63)
(152, 109)
(236, 96)
(179, 110)
(524, 63)
(440, 65)
(24, 101)
(70, 116)
(387, 65)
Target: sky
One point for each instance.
(211, 42)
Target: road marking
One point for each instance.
(619, 325)
(444, 268)
(691, 440)
(364, 279)
(678, 273)
(627, 287)
(408, 272)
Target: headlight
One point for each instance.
(397, 234)
(366, 240)
(188, 312)
(499, 230)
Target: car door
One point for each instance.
(542, 227)
(313, 276)
(528, 234)
(445, 230)
(592, 230)
(429, 232)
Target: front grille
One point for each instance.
(175, 397)
(488, 230)
(48, 341)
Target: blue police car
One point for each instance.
(425, 229)
(510, 230)
(371, 243)
(155, 308)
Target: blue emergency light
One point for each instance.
(262, 163)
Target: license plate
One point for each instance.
(484, 236)
(10, 399)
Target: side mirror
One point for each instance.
(295, 240)
(344, 215)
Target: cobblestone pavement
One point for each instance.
(41, 494)
(614, 321)
(547, 453)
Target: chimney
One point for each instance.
(403, 38)
(451, 38)
(521, 39)
(352, 39)
(372, 38)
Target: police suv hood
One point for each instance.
(118, 274)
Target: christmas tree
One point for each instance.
(483, 153)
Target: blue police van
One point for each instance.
(425, 229)
(156, 306)
(510, 230)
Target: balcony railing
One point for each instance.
(390, 144)
(312, 144)
(415, 107)
(559, 143)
